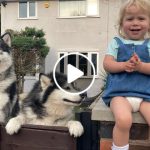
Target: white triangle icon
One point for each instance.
(73, 73)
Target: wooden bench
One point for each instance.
(139, 134)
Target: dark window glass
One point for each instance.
(61, 64)
(31, 9)
(72, 60)
(23, 10)
(83, 64)
(94, 61)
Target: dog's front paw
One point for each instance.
(12, 126)
(75, 128)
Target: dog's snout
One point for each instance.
(83, 95)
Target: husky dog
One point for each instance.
(47, 105)
(8, 93)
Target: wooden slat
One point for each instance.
(38, 138)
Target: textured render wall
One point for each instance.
(91, 34)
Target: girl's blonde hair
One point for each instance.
(141, 4)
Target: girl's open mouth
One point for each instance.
(135, 30)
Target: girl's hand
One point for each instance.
(135, 60)
(129, 66)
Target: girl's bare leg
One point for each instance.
(122, 111)
(145, 111)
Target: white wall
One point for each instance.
(79, 33)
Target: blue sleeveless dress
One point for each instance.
(128, 84)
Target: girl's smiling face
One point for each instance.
(136, 23)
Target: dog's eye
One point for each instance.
(67, 88)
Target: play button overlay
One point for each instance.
(73, 73)
(79, 72)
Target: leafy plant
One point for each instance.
(29, 50)
(104, 79)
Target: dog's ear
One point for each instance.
(45, 81)
(7, 38)
(60, 78)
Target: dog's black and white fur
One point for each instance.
(48, 105)
(8, 93)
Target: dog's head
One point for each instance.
(5, 52)
(52, 93)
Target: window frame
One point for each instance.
(86, 12)
(28, 17)
(89, 55)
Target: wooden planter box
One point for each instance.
(32, 137)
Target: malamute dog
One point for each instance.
(8, 93)
(48, 105)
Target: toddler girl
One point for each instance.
(128, 65)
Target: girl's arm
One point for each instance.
(140, 66)
(112, 66)
(143, 68)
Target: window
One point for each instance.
(27, 10)
(79, 62)
(78, 8)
